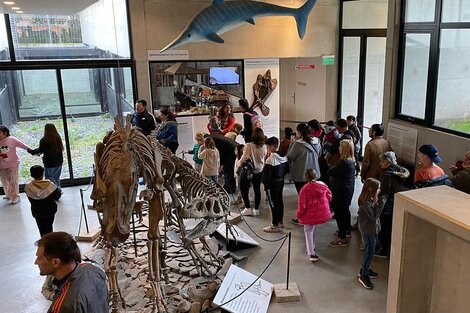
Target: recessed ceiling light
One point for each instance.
(19, 12)
(9, 2)
(15, 8)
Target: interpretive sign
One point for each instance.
(403, 140)
(236, 234)
(254, 299)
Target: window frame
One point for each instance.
(434, 29)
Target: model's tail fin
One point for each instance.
(301, 16)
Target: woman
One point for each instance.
(302, 155)
(316, 130)
(51, 148)
(342, 176)
(256, 151)
(226, 118)
(168, 134)
(9, 164)
(248, 114)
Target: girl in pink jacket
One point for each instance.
(9, 163)
(313, 209)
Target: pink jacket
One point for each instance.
(313, 207)
(8, 156)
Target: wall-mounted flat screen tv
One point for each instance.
(224, 75)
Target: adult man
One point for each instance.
(374, 148)
(79, 287)
(333, 155)
(227, 151)
(391, 182)
(142, 119)
(351, 119)
(429, 174)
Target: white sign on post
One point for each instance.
(253, 300)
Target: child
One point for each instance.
(42, 193)
(285, 143)
(331, 135)
(210, 159)
(214, 124)
(199, 141)
(275, 168)
(313, 208)
(236, 130)
(370, 208)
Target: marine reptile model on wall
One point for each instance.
(223, 16)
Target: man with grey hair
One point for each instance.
(391, 181)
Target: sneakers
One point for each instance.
(250, 212)
(6, 198)
(365, 282)
(295, 221)
(15, 200)
(348, 234)
(338, 242)
(314, 258)
(271, 229)
(372, 274)
(381, 254)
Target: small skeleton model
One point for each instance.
(262, 89)
(192, 197)
(123, 156)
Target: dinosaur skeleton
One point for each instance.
(120, 159)
(125, 155)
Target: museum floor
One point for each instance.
(328, 286)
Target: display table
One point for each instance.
(430, 256)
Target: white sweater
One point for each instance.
(256, 154)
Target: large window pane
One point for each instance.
(4, 52)
(350, 76)
(455, 11)
(415, 75)
(453, 93)
(93, 97)
(420, 10)
(29, 100)
(100, 31)
(365, 14)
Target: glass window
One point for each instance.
(100, 31)
(453, 93)
(350, 76)
(28, 100)
(365, 14)
(415, 75)
(455, 11)
(420, 11)
(4, 51)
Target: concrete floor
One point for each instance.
(330, 285)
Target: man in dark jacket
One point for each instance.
(227, 150)
(78, 287)
(43, 194)
(142, 119)
(275, 168)
(391, 181)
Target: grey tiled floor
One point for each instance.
(329, 285)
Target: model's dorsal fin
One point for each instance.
(214, 37)
(217, 2)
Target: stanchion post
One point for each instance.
(288, 261)
(134, 236)
(84, 212)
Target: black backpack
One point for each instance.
(246, 170)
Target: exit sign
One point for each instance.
(328, 60)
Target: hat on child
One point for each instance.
(431, 152)
(389, 156)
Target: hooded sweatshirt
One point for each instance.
(42, 193)
(303, 155)
(391, 182)
(275, 168)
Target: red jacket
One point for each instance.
(313, 207)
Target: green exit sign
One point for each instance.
(328, 60)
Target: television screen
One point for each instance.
(224, 75)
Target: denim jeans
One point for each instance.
(369, 245)
(53, 174)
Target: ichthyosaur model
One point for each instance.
(223, 16)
